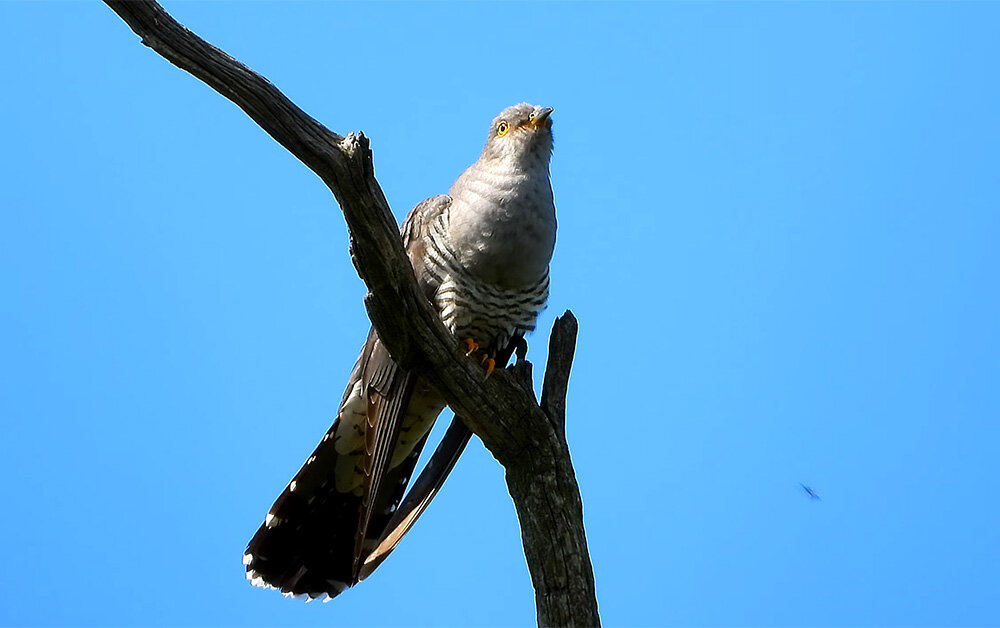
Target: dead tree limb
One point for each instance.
(525, 437)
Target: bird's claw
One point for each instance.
(470, 346)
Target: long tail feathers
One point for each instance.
(344, 511)
(427, 485)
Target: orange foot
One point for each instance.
(471, 346)
(489, 362)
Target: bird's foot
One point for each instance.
(490, 364)
(472, 347)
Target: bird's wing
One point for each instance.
(416, 232)
(335, 509)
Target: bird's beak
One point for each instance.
(540, 117)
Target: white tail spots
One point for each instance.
(291, 487)
(257, 581)
(270, 520)
(247, 558)
(323, 596)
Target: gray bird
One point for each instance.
(481, 255)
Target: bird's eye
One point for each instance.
(502, 128)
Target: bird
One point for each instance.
(809, 491)
(481, 256)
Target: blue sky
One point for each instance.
(779, 228)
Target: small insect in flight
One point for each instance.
(809, 491)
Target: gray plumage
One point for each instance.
(481, 255)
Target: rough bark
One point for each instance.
(525, 437)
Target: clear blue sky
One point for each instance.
(779, 228)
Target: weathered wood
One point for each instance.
(562, 346)
(525, 438)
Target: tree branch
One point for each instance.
(518, 432)
(562, 346)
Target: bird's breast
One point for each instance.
(502, 226)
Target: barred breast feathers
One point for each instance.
(470, 306)
(502, 224)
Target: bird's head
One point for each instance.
(520, 135)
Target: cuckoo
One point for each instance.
(481, 256)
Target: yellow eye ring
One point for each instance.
(502, 128)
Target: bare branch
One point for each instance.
(499, 410)
(562, 346)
